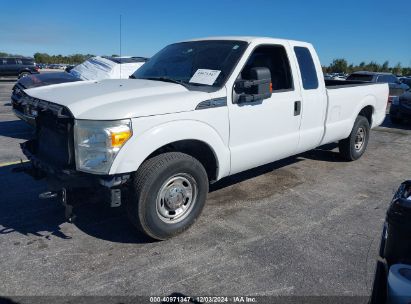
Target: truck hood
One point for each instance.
(120, 98)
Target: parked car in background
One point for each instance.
(400, 108)
(19, 67)
(392, 277)
(69, 67)
(396, 87)
(339, 77)
(95, 68)
(406, 80)
(335, 76)
(42, 65)
(56, 66)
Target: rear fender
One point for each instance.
(368, 100)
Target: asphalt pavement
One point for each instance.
(306, 225)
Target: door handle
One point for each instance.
(297, 108)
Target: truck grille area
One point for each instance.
(54, 144)
(53, 141)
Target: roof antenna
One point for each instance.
(120, 46)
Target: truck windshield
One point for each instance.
(194, 63)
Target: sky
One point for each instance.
(360, 30)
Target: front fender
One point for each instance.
(145, 142)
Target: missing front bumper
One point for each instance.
(67, 177)
(74, 184)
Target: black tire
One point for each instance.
(144, 206)
(349, 147)
(23, 74)
(395, 120)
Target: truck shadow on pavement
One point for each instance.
(23, 212)
(326, 153)
(252, 173)
(16, 129)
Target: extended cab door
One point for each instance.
(313, 92)
(266, 130)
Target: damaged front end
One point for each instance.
(52, 157)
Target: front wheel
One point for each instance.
(168, 193)
(354, 146)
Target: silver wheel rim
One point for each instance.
(360, 139)
(176, 198)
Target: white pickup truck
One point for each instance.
(196, 112)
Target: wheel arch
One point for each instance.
(195, 148)
(367, 112)
(194, 138)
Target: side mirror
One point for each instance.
(259, 86)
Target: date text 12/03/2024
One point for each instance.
(200, 299)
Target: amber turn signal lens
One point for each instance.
(118, 139)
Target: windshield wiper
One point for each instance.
(166, 79)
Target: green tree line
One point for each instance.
(50, 59)
(70, 59)
(341, 65)
(3, 54)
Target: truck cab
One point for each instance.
(196, 112)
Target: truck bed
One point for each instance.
(346, 99)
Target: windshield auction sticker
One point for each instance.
(205, 76)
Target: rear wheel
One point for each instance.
(23, 74)
(168, 193)
(354, 146)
